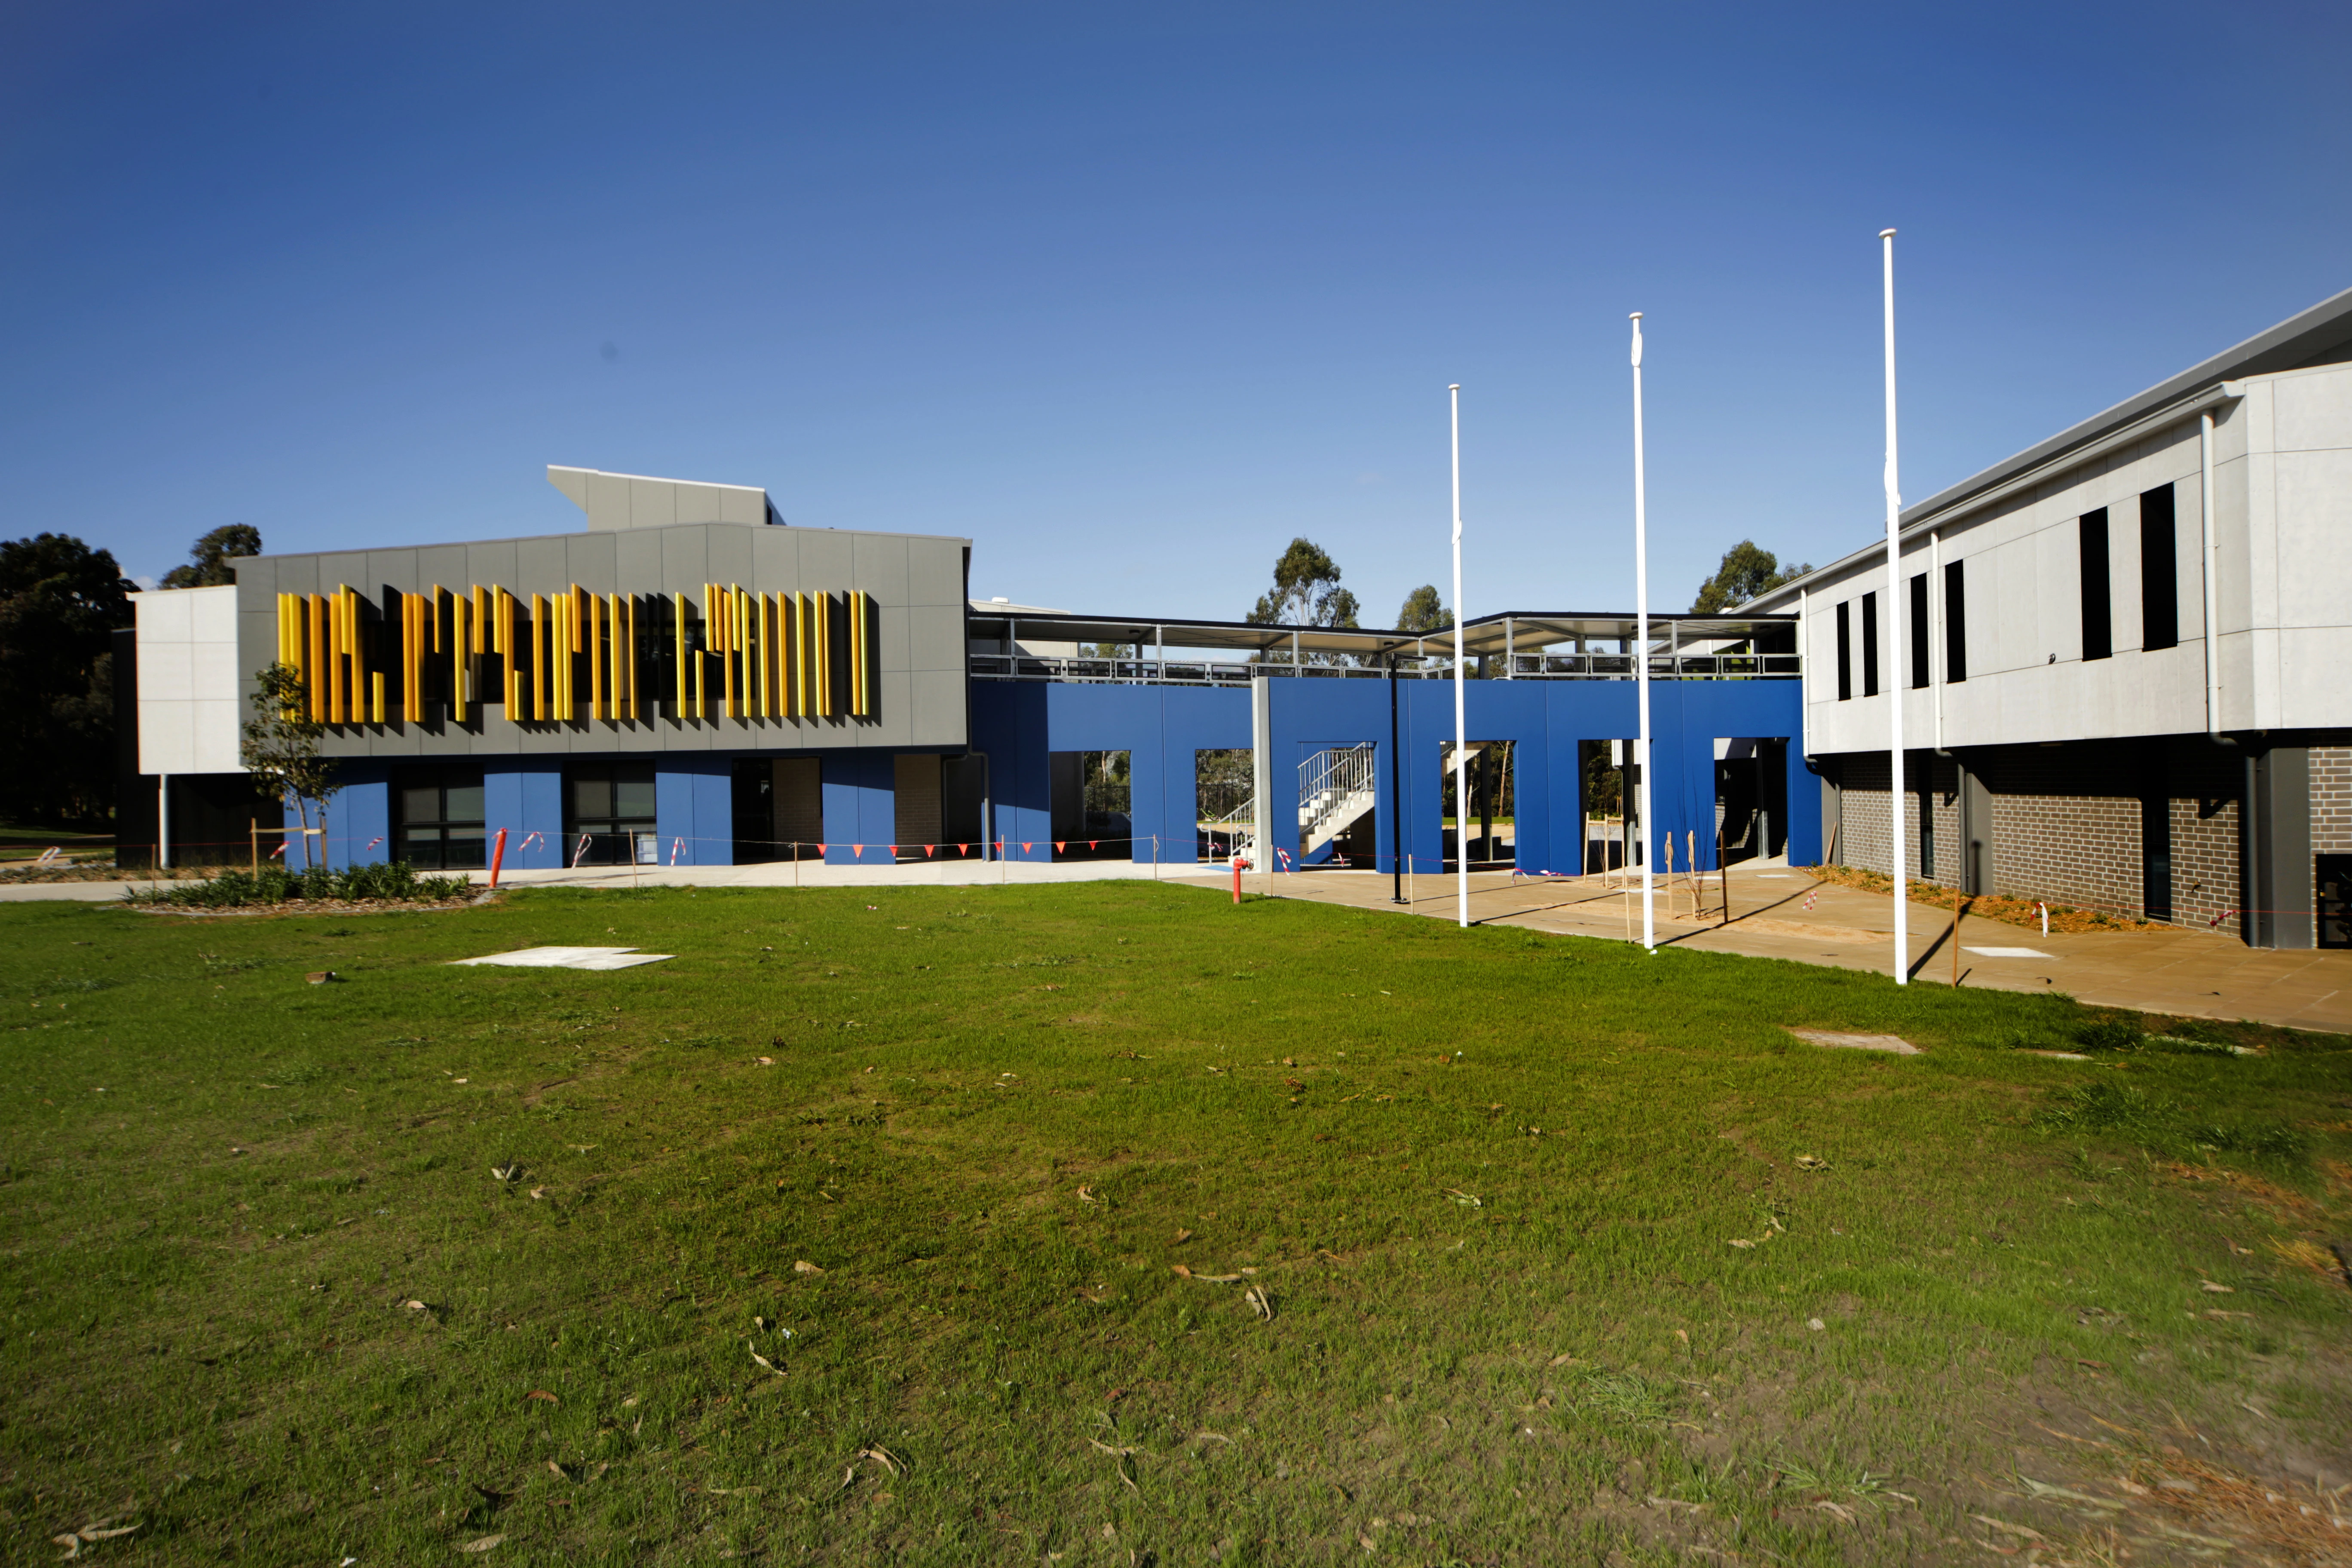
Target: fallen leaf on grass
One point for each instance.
(2217, 1289)
(884, 1458)
(483, 1544)
(1467, 1200)
(506, 1173)
(537, 1193)
(559, 1472)
(1741, 1241)
(1086, 1196)
(1181, 1236)
(1183, 1273)
(542, 1393)
(1811, 1162)
(1838, 1509)
(763, 1361)
(1260, 1302)
(2006, 1528)
(416, 1306)
(802, 1265)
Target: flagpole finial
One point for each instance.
(1453, 387)
(1635, 316)
(1886, 233)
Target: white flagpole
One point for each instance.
(1641, 648)
(1895, 663)
(1461, 724)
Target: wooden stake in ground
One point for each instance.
(1956, 938)
(1668, 841)
(1723, 874)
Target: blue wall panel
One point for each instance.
(359, 813)
(694, 808)
(860, 807)
(526, 799)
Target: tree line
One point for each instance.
(61, 603)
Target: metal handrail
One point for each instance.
(1526, 667)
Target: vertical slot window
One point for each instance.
(1956, 623)
(1870, 645)
(2159, 572)
(1921, 649)
(440, 817)
(2098, 609)
(1845, 650)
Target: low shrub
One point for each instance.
(394, 881)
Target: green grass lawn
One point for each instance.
(267, 1301)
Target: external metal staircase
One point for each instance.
(1336, 789)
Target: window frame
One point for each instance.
(2159, 569)
(2097, 564)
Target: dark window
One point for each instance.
(2098, 613)
(1956, 623)
(608, 815)
(1870, 645)
(437, 818)
(2160, 572)
(1846, 651)
(1922, 650)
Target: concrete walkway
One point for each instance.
(1778, 912)
(775, 874)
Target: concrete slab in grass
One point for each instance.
(1845, 1042)
(571, 958)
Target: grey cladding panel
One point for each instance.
(590, 558)
(539, 567)
(825, 561)
(442, 564)
(743, 506)
(685, 561)
(492, 564)
(776, 560)
(608, 501)
(731, 553)
(935, 572)
(697, 503)
(879, 565)
(652, 504)
(935, 638)
(637, 560)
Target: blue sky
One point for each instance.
(1128, 295)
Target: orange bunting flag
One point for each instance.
(1058, 847)
(858, 850)
(894, 852)
(929, 850)
(820, 849)
(963, 848)
(1026, 848)
(1094, 843)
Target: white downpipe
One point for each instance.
(1461, 719)
(2213, 573)
(1642, 649)
(163, 819)
(1896, 671)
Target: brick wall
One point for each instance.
(1862, 839)
(2331, 799)
(2067, 821)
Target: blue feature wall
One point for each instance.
(694, 808)
(1547, 719)
(1018, 722)
(861, 807)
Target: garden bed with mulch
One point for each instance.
(2064, 919)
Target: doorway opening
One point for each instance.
(1338, 793)
(1221, 800)
(1612, 836)
(1751, 798)
(1484, 831)
(1092, 806)
(779, 809)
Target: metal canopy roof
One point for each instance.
(1523, 631)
